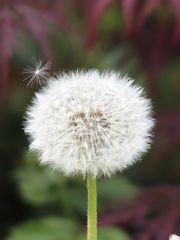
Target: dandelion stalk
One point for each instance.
(92, 208)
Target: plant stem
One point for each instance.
(92, 208)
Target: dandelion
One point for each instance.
(37, 73)
(90, 124)
(87, 122)
(174, 237)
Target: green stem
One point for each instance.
(92, 209)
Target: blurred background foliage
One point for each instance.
(138, 38)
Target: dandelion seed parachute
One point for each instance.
(89, 122)
(37, 73)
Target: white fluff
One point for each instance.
(89, 122)
(37, 73)
(174, 237)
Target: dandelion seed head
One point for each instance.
(89, 122)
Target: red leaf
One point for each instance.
(128, 7)
(145, 11)
(38, 29)
(134, 17)
(96, 10)
(6, 49)
(153, 214)
(168, 128)
(4, 70)
(6, 33)
(176, 6)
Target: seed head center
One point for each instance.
(89, 121)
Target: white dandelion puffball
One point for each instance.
(89, 123)
(174, 237)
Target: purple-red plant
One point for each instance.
(136, 14)
(167, 132)
(153, 26)
(153, 215)
(150, 25)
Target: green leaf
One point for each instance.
(169, 85)
(40, 187)
(110, 233)
(114, 189)
(37, 184)
(51, 228)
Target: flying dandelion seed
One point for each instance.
(38, 73)
(89, 122)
